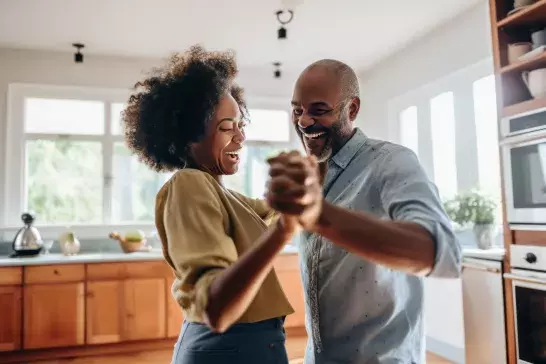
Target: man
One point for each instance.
(380, 229)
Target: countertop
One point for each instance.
(489, 254)
(156, 254)
(49, 259)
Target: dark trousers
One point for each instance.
(247, 343)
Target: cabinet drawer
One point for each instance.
(54, 273)
(157, 269)
(108, 271)
(11, 276)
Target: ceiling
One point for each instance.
(360, 32)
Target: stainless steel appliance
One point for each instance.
(524, 167)
(483, 308)
(528, 277)
(27, 241)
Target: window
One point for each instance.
(268, 134)
(485, 118)
(408, 129)
(78, 171)
(442, 117)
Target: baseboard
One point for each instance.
(445, 350)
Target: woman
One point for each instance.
(190, 117)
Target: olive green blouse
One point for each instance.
(204, 228)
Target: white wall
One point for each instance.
(460, 43)
(41, 67)
(457, 44)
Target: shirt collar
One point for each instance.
(348, 151)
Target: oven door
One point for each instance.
(529, 293)
(524, 166)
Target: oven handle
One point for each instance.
(480, 267)
(516, 277)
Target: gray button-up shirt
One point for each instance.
(359, 312)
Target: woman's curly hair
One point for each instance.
(171, 108)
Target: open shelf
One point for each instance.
(523, 107)
(526, 65)
(533, 14)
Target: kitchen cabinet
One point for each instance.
(483, 307)
(11, 279)
(288, 272)
(175, 318)
(144, 307)
(104, 310)
(53, 315)
(71, 310)
(10, 318)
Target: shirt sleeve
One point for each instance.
(199, 247)
(407, 194)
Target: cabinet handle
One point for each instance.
(56, 272)
(516, 277)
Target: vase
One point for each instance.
(484, 235)
(70, 245)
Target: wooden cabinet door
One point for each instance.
(53, 315)
(10, 318)
(103, 312)
(288, 271)
(144, 309)
(175, 318)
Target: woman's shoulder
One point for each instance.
(190, 182)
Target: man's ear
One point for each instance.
(354, 108)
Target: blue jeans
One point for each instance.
(247, 343)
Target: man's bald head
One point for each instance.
(325, 104)
(343, 73)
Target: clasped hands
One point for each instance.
(295, 190)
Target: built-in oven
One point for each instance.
(524, 167)
(528, 277)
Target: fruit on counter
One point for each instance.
(135, 235)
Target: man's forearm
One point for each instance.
(398, 245)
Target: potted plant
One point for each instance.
(474, 209)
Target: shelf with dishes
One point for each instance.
(524, 13)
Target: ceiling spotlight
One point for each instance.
(277, 72)
(282, 32)
(78, 56)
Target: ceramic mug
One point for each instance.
(517, 50)
(539, 38)
(535, 82)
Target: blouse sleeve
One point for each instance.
(199, 248)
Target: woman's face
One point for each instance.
(219, 151)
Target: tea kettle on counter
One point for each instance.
(28, 240)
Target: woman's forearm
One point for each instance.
(233, 290)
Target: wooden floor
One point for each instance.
(295, 347)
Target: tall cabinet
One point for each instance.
(511, 31)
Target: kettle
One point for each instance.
(27, 240)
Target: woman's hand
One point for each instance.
(295, 188)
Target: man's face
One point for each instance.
(322, 118)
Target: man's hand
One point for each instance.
(294, 188)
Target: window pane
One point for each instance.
(408, 129)
(56, 116)
(64, 181)
(268, 125)
(115, 115)
(442, 116)
(134, 187)
(253, 171)
(485, 116)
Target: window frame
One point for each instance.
(14, 189)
